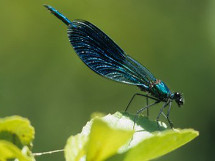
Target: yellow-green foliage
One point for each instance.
(113, 137)
(108, 137)
(16, 136)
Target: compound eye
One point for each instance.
(177, 95)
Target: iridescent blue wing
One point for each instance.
(104, 56)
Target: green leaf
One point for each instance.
(96, 142)
(10, 151)
(160, 144)
(151, 141)
(74, 149)
(112, 138)
(16, 126)
(105, 141)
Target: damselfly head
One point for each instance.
(178, 98)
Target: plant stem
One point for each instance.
(49, 152)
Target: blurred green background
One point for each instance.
(42, 78)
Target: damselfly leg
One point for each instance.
(161, 112)
(147, 101)
(142, 109)
(167, 116)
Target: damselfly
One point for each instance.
(106, 58)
